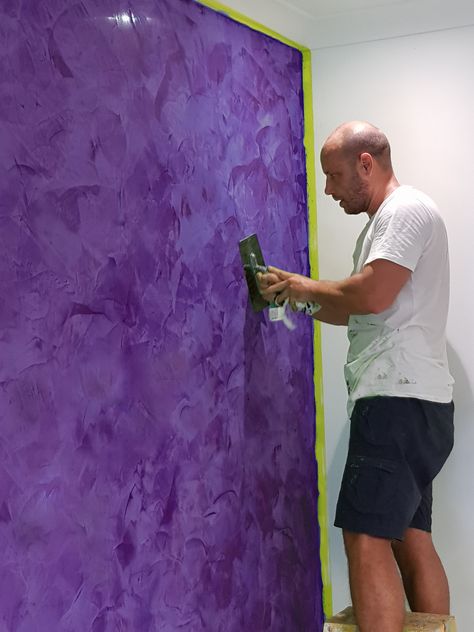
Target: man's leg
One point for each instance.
(424, 579)
(376, 587)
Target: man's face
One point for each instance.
(344, 182)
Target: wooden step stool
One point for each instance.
(414, 622)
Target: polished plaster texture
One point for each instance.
(157, 467)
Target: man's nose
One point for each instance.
(327, 188)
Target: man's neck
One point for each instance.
(387, 188)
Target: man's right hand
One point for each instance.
(266, 280)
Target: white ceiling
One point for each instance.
(323, 23)
(326, 7)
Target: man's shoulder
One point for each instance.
(407, 201)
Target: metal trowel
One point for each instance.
(252, 261)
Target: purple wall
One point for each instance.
(157, 470)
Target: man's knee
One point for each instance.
(417, 544)
(362, 543)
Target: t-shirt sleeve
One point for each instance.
(400, 235)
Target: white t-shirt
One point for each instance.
(402, 351)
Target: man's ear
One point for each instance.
(366, 162)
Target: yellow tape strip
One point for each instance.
(318, 359)
(313, 259)
(243, 19)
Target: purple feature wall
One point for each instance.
(157, 467)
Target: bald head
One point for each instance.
(357, 137)
(356, 161)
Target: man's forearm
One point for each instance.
(332, 316)
(341, 298)
(370, 291)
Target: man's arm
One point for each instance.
(332, 316)
(324, 314)
(370, 291)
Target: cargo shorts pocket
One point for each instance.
(370, 483)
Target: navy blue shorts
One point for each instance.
(397, 446)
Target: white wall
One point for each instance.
(420, 90)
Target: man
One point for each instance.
(395, 305)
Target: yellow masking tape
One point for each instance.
(318, 361)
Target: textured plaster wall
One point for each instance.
(157, 470)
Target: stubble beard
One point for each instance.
(359, 199)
